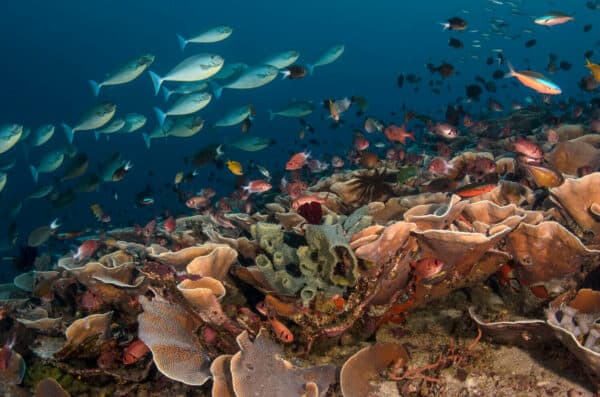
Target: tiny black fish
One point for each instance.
(564, 65)
(455, 23)
(489, 61)
(455, 43)
(498, 74)
(587, 28)
(588, 54)
(400, 80)
(412, 78)
(530, 43)
(490, 86)
(473, 91)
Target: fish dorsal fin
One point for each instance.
(531, 73)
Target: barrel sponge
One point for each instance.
(337, 260)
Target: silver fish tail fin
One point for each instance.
(95, 87)
(156, 80)
(182, 42)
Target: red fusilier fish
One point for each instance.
(297, 161)
(398, 134)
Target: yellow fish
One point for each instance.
(178, 178)
(97, 210)
(594, 68)
(235, 167)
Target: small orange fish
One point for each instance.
(339, 303)
(283, 333)
(333, 111)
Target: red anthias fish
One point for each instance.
(297, 161)
(6, 352)
(257, 186)
(527, 148)
(440, 166)
(427, 268)
(398, 134)
(197, 202)
(360, 142)
(169, 224)
(86, 249)
(445, 130)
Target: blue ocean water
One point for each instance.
(51, 49)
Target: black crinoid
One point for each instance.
(372, 185)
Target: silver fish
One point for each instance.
(6, 164)
(328, 56)
(126, 73)
(235, 116)
(184, 105)
(96, 117)
(294, 109)
(42, 135)
(252, 143)
(115, 125)
(133, 122)
(48, 163)
(40, 192)
(212, 35)
(9, 136)
(184, 126)
(3, 179)
(282, 59)
(230, 70)
(185, 88)
(195, 68)
(253, 77)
